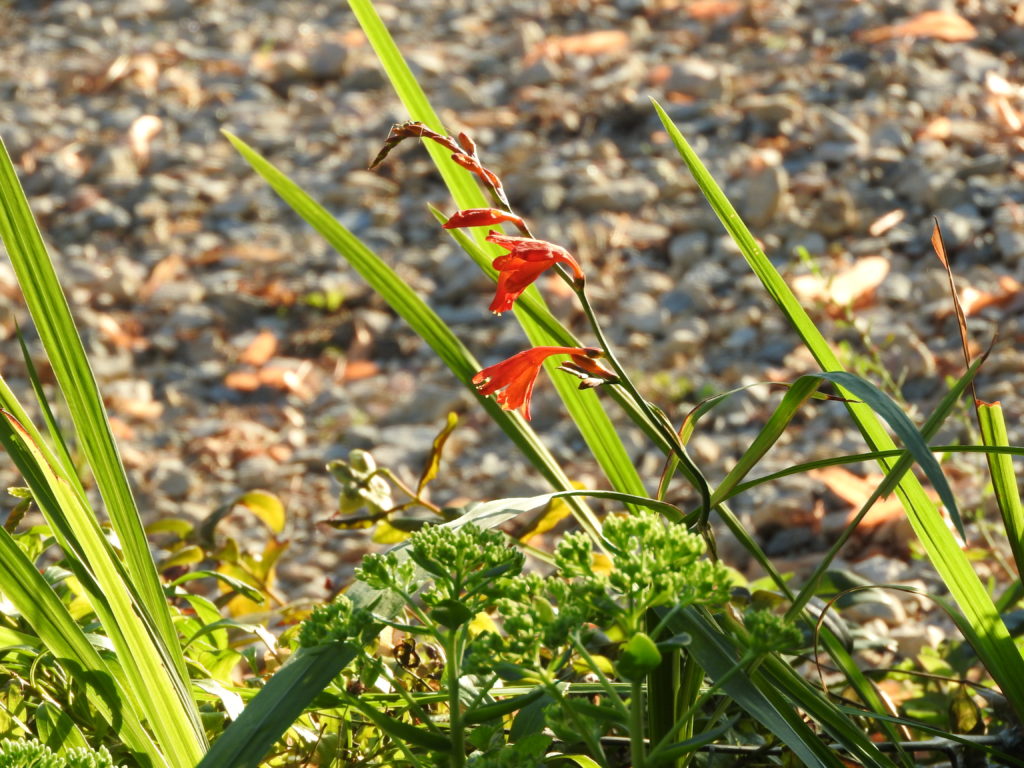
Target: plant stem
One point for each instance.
(637, 744)
(456, 727)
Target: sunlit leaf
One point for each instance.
(434, 459)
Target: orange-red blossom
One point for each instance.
(513, 379)
(525, 261)
(482, 217)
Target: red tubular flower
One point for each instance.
(482, 217)
(516, 376)
(525, 261)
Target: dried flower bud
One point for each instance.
(482, 217)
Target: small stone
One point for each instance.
(172, 478)
(326, 61)
(879, 606)
(699, 78)
(644, 314)
(912, 640)
(763, 191)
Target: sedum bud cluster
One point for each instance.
(655, 564)
(337, 622)
(34, 754)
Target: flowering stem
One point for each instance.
(578, 287)
(690, 469)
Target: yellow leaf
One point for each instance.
(481, 623)
(434, 459)
(265, 506)
(385, 533)
(184, 556)
(603, 663)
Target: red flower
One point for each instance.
(517, 375)
(481, 217)
(525, 261)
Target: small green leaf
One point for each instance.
(451, 613)
(638, 657)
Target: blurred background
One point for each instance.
(237, 351)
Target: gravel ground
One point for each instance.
(237, 351)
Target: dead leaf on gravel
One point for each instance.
(126, 334)
(948, 26)
(852, 287)
(282, 377)
(242, 251)
(973, 300)
(1012, 120)
(940, 128)
(855, 490)
(142, 410)
(260, 349)
(586, 43)
(354, 370)
(885, 222)
(708, 10)
(164, 271)
(242, 381)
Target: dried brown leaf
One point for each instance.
(948, 26)
(260, 349)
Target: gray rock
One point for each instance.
(762, 194)
(619, 195)
(173, 479)
(697, 77)
(326, 61)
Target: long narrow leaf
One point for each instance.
(52, 317)
(152, 686)
(265, 719)
(1004, 479)
(49, 618)
(996, 647)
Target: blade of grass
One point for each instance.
(997, 649)
(1004, 478)
(52, 317)
(761, 696)
(245, 743)
(152, 685)
(49, 618)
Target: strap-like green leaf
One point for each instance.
(52, 317)
(265, 719)
(1001, 656)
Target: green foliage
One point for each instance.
(32, 754)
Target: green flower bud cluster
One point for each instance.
(655, 564)
(771, 632)
(336, 622)
(467, 560)
(33, 754)
(361, 486)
